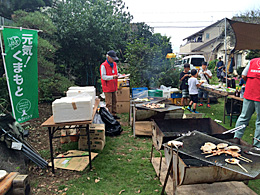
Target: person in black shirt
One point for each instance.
(184, 76)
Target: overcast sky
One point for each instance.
(179, 19)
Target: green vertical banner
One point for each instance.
(21, 70)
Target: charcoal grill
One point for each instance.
(188, 166)
(166, 130)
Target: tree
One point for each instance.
(8, 7)
(147, 61)
(86, 31)
(50, 81)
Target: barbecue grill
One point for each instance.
(192, 167)
(166, 130)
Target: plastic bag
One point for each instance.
(113, 127)
(97, 119)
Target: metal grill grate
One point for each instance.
(193, 142)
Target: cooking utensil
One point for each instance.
(235, 162)
(252, 153)
(234, 129)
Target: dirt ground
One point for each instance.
(42, 180)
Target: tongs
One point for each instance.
(234, 129)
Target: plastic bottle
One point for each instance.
(236, 92)
(242, 91)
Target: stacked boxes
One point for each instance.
(123, 100)
(96, 135)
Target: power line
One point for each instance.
(185, 12)
(179, 22)
(179, 26)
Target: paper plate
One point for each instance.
(3, 173)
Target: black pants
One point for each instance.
(230, 83)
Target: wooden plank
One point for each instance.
(236, 98)
(6, 183)
(223, 188)
(143, 128)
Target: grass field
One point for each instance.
(123, 167)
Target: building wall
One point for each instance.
(187, 48)
(213, 32)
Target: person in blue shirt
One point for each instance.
(219, 67)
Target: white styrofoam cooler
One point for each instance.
(87, 90)
(166, 93)
(69, 109)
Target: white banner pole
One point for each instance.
(7, 78)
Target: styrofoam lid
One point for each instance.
(80, 88)
(72, 99)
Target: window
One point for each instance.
(207, 36)
(197, 61)
(239, 60)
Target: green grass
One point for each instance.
(124, 163)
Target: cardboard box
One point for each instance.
(123, 94)
(77, 163)
(94, 144)
(176, 101)
(96, 132)
(122, 107)
(123, 83)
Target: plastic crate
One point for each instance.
(176, 95)
(140, 92)
(155, 93)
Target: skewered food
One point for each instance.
(175, 143)
(235, 162)
(208, 147)
(233, 148)
(222, 145)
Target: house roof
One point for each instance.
(201, 31)
(205, 44)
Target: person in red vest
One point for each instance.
(109, 75)
(251, 103)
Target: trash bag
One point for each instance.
(113, 127)
(97, 119)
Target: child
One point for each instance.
(193, 90)
(184, 76)
(205, 74)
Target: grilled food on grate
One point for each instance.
(222, 145)
(208, 147)
(154, 105)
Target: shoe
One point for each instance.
(116, 117)
(200, 105)
(183, 108)
(195, 111)
(189, 109)
(208, 106)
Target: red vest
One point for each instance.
(109, 85)
(252, 90)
